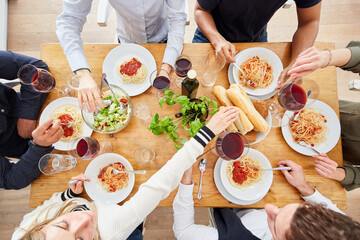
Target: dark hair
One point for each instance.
(316, 222)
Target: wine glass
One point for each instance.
(160, 79)
(182, 66)
(53, 163)
(41, 80)
(214, 63)
(298, 94)
(73, 81)
(87, 147)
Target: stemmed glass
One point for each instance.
(87, 147)
(160, 79)
(229, 145)
(41, 80)
(53, 163)
(182, 66)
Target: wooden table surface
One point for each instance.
(136, 134)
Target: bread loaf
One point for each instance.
(243, 123)
(220, 94)
(231, 127)
(244, 103)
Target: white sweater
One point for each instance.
(118, 222)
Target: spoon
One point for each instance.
(135, 172)
(113, 93)
(202, 167)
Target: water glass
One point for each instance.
(53, 163)
(73, 81)
(214, 63)
(142, 111)
(143, 155)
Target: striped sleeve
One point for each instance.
(204, 136)
(68, 194)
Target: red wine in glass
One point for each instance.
(43, 81)
(85, 148)
(182, 66)
(292, 97)
(27, 73)
(161, 82)
(230, 146)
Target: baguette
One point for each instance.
(241, 89)
(220, 94)
(244, 103)
(231, 127)
(243, 123)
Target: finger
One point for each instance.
(286, 174)
(80, 101)
(86, 101)
(330, 164)
(44, 126)
(98, 98)
(324, 169)
(56, 137)
(53, 129)
(320, 172)
(232, 50)
(228, 56)
(306, 51)
(91, 99)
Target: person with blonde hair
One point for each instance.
(63, 218)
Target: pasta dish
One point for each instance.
(132, 71)
(243, 172)
(68, 114)
(110, 182)
(310, 127)
(259, 73)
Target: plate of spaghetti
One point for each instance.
(129, 66)
(66, 110)
(317, 126)
(262, 68)
(243, 179)
(105, 186)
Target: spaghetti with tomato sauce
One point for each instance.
(113, 182)
(66, 118)
(132, 71)
(243, 172)
(69, 114)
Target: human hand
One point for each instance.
(88, 91)
(296, 178)
(186, 178)
(328, 168)
(25, 127)
(284, 77)
(47, 133)
(308, 61)
(222, 119)
(225, 49)
(77, 187)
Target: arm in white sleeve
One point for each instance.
(317, 197)
(117, 222)
(184, 226)
(69, 25)
(177, 21)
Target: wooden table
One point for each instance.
(136, 134)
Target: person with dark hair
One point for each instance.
(18, 114)
(223, 22)
(347, 59)
(317, 218)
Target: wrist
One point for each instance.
(83, 72)
(305, 190)
(339, 174)
(326, 57)
(38, 146)
(167, 67)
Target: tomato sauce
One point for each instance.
(130, 68)
(239, 175)
(65, 118)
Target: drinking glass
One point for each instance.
(160, 79)
(142, 111)
(53, 163)
(143, 155)
(182, 66)
(73, 81)
(214, 63)
(298, 94)
(83, 147)
(230, 145)
(41, 80)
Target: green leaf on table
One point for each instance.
(161, 101)
(178, 147)
(183, 140)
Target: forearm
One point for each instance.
(317, 197)
(207, 26)
(351, 179)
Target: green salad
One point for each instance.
(113, 116)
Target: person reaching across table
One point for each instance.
(141, 21)
(223, 22)
(347, 59)
(18, 114)
(57, 218)
(317, 218)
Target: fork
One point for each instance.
(302, 143)
(114, 171)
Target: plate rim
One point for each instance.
(301, 149)
(113, 157)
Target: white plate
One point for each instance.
(222, 189)
(264, 54)
(255, 191)
(332, 136)
(121, 53)
(94, 189)
(260, 136)
(232, 81)
(45, 115)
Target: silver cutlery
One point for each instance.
(302, 143)
(202, 167)
(113, 93)
(272, 169)
(135, 172)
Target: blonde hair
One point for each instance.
(33, 232)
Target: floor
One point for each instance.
(32, 24)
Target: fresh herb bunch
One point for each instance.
(192, 112)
